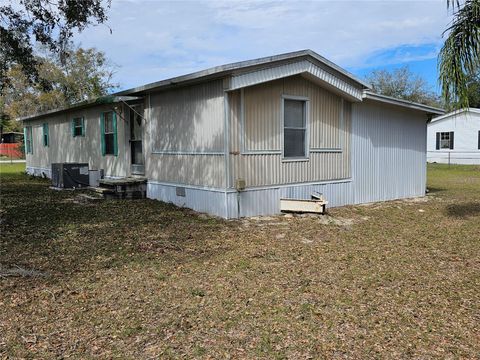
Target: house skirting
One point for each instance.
(250, 202)
(230, 204)
(454, 157)
(208, 200)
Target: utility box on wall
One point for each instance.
(70, 175)
(95, 177)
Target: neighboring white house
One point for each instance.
(235, 139)
(455, 138)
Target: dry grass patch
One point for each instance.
(142, 279)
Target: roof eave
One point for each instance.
(403, 103)
(456, 112)
(109, 99)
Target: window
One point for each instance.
(108, 124)
(46, 140)
(294, 129)
(478, 139)
(444, 140)
(78, 127)
(28, 140)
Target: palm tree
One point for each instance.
(459, 58)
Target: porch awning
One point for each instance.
(102, 100)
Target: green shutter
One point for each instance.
(115, 145)
(30, 138)
(83, 126)
(102, 133)
(73, 127)
(25, 140)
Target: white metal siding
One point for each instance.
(266, 201)
(64, 147)
(300, 67)
(201, 170)
(388, 152)
(256, 134)
(185, 135)
(203, 200)
(188, 119)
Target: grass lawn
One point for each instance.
(7, 170)
(143, 279)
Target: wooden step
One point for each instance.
(102, 190)
(123, 188)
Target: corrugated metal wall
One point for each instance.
(85, 149)
(256, 134)
(263, 122)
(267, 201)
(388, 152)
(202, 170)
(185, 135)
(190, 118)
(317, 71)
(208, 201)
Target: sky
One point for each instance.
(154, 40)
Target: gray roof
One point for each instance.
(457, 112)
(242, 66)
(405, 103)
(235, 69)
(108, 99)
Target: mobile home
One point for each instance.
(235, 139)
(454, 138)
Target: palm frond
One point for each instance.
(460, 55)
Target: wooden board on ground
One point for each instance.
(295, 205)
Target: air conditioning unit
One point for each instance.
(70, 175)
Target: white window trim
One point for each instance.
(82, 125)
(29, 140)
(307, 127)
(449, 140)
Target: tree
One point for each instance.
(86, 74)
(459, 58)
(401, 83)
(47, 22)
(473, 90)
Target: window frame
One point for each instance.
(46, 135)
(28, 139)
(439, 135)
(82, 126)
(103, 133)
(306, 104)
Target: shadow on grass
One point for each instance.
(49, 231)
(433, 190)
(465, 210)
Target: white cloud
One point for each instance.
(152, 40)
